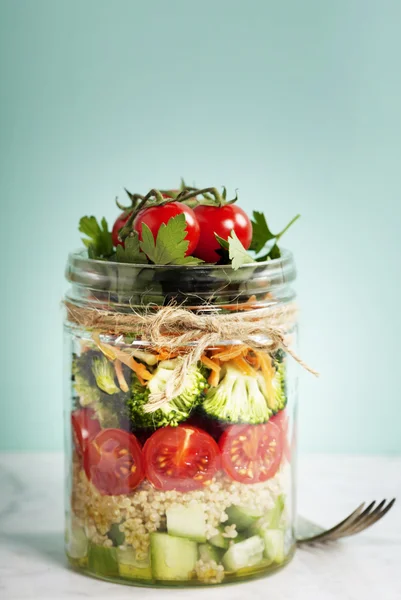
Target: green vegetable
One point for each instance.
(244, 554)
(99, 244)
(237, 399)
(207, 552)
(274, 545)
(110, 409)
(237, 252)
(187, 521)
(172, 412)
(130, 567)
(261, 235)
(102, 560)
(272, 519)
(85, 388)
(172, 558)
(104, 375)
(76, 542)
(242, 517)
(170, 246)
(219, 541)
(277, 401)
(131, 251)
(116, 535)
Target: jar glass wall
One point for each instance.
(202, 490)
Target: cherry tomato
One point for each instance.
(180, 458)
(154, 216)
(221, 220)
(84, 427)
(113, 462)
(119, 223)
(282, 421)
(251, 453)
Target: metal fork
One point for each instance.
(362, 518)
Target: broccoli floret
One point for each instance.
(277, 398)
(176, 410)
(240, 398)
(88, 371)
(237, 399)
(104, 375)
(84, 382)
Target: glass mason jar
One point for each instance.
(201, 490)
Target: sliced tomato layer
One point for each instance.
(251, 453)
(84, 427)
(181, 458)
(282, 421)
(113, 462)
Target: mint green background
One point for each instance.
(296, 103)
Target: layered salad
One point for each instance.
(199, 490)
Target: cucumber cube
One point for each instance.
(187, 522)
(219, 541)
(172, 558)
(76, 542)
(132, 568)
(242, 517)
(102, 560)
(244, 554)
(274, 545)
(208, 552)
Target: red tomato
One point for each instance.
(154, 216)
(119, 223)
(221, 220)
(113, 462)
(180, 458)
(84, 427)
(282, 421)
(251, 453)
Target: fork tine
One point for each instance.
(358, 519)
(329, 534)
(375, 516)
(366, 517)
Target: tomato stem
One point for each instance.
(153, 193)
(217, 197)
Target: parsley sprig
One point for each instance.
(170, 245)
(99, 244)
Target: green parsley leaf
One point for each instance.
(99, 244)
(222, 251)
(237, 252)
(131, 252)
(261, 233)
(223, 243)
(170, 246)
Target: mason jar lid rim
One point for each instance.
(286, 256)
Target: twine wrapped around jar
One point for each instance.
(177, 328)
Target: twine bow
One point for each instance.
(262, 329)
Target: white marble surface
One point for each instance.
(32, 564)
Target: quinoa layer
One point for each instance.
(144, 511)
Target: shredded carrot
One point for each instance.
(107, 350)
(246, 368)
(141, 381)
(214, 378)
(211, 364)
(254, 360)
(244, 306)
(139, 369)
(230, 352)
(165, 354)
(120, 376)
(113, 353)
